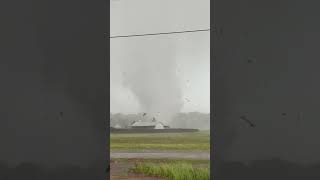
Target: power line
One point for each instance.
(162, 33)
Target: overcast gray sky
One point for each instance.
(192, 50)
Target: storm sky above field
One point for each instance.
(191, 51)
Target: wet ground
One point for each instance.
(120, 171)
(133, 178)
(175, 155)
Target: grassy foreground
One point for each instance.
(173, 171)
(198, 141)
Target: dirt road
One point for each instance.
(134, 178)
(120, 171)
(156, 155)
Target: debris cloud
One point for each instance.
(150, 73)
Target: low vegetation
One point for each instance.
(198, 141)
(172, 171)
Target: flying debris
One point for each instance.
(187, 99)
(247, 121)
(144, 114)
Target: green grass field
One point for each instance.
(173, 171)
(198, 141)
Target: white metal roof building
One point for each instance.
(148, 125)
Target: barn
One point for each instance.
(148, 125)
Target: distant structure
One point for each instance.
(148, 125)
